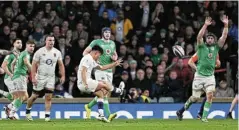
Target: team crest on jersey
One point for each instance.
(108, 51)
(210, 55)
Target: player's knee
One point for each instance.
(48, 97)
(194, 99)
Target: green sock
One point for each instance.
(9, 97)
(206, 109)
(106, 107)
(92, 103)
(17, 103)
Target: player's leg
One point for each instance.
(9, 84)
(197, 92)
(37, 90)
(199, 116)
(49, 89)
(233, 104)
(209, 89)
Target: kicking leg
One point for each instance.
(100, 100)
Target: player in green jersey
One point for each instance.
(8, 66)
(23, 67)
(106, 58)
(204, 80)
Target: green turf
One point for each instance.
(145, 124)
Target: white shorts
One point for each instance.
(92, 85)
(9, 83)
(20, 83)
(43, 82)
(203, 84)
(104, 76)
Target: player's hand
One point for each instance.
(224, 19)
(208, 21)
(118, 62)
(62, 79)
(34, 81)
(114, 57)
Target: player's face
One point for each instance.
(50, 41)
(210, 40)
(18, 44)
(30, 48)
(106, 35)
(97, 55)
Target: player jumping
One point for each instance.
(109, 55)
(43, 75)
(86, 84)
(8, 67)
(204, 80)
(23, 67)
(192, 64)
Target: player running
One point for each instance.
(204, 80)
(86, 84)
(23, 67)
(8, 67)
(192, 64)
(43, 75)
(109, 55)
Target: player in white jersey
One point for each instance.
(43, 75)
(86, 84)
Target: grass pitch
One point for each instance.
(119, 124)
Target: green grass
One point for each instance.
(120, 124)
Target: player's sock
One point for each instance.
(17, 103)
(47, 114)
(28, 110)
(202, 106)
(106, 106)
(6, 95)
(10, 105)
(100, 106)
(206, 109)
(92, 103)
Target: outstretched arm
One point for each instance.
(201, 33)
(223, 38)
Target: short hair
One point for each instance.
(30, 42)
(48, 36)
(212, 35)
(97, 48)
(16, 40)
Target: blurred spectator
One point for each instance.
(132, 69)
(140, 56)
(158, 17)
(108, 6)
(224, 90)
(80, 33)
(140, 81)
(159, 88)
(122, 51)
(72, 19)
(144, 98)
(15, 8)
(122, 28)
(69, 38)
(62, 9)
(8, 16)
(189, 50)
(70, 83)
(30, 10)
(54, 18)
(61, 46)
(37, 36)
(76, 51)
(148, 43)
(133, 96)
(175, 87)
(155, 57)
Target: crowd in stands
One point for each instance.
(144, 33)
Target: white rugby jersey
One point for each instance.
(88, 62)
(47, 61)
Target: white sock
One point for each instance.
(101, 112)
(47, 112)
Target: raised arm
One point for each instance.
(201, 33)
(223, 38)
(109, 66)
(87, 50)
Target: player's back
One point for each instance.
(88, 62)
(47, 60)
(21, 68)
(207, 59)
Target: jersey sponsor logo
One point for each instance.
(49, 62)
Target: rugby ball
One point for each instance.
(178, 51)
